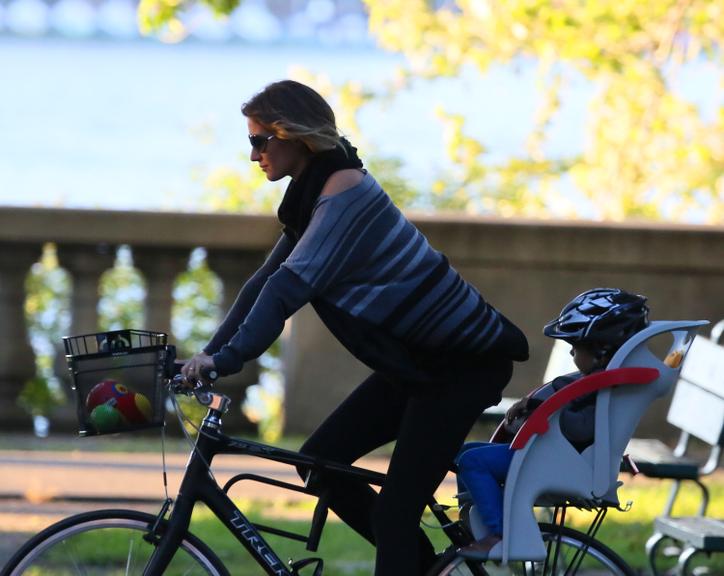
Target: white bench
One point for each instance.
(697, 409)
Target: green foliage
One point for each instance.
(649, 152)
(161, 16)
(387, 172)
(38, 396)
(47, 303)
(47, 314)
(264, 403)
(231, 190)
(122, 295)
(345, 552)
(196, 308)
(265, 407)
(195, 314)
(348, 100)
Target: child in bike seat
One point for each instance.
(595, 324)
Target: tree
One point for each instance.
(650, 152)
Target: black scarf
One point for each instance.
(295, 211)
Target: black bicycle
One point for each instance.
(130, 542)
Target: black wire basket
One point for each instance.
(118, 378)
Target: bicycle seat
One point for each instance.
(635, 377)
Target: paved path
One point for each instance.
(38, 488)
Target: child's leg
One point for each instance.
(467, 446)
(483, 470)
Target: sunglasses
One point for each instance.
(259, 142)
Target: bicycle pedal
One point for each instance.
(296, 566)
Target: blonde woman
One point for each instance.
(440, 354)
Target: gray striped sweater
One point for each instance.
(369, 272)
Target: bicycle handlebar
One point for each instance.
(203, 392)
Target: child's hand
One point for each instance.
(512, 426)
(516, 411)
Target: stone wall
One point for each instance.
(528, 269)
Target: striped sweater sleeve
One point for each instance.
(248, 295)
(283, 293)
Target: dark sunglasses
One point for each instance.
(259, 142)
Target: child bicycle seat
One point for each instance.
(635, 377)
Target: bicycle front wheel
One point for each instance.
(106, 543)
(575, 553)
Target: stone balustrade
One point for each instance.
(528, 269)
(86, 243)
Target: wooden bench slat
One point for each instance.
(701, 532)
(655, 459)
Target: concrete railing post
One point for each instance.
(316, 366)
(160, 266)
(17, 359)
(233, 269)
(85, 264)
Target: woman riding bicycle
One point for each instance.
(440, 353)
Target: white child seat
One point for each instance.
(545, 462)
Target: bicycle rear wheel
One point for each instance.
(577, 554)
(106, 543)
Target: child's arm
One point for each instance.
(519, 412)
(538, 423)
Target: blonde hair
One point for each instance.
(293, 111)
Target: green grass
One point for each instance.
(627, 532)
(346, 553)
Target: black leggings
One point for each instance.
(430, 424)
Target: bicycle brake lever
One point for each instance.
(212, 400)
(204, 397)
(178, 385)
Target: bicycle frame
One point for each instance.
(199, 486)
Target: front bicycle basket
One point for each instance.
(118, 378)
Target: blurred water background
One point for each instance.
(95, 116)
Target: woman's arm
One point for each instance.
(282, 295)
(316, 262)
(248, 295)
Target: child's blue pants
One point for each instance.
(483, 469)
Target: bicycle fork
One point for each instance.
(168, 542)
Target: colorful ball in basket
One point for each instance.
(105, 418)
(103, 392)
(135, 408)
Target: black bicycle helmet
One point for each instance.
(605, 317)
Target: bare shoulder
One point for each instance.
(342, 180)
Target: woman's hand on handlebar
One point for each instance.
(200, 367)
